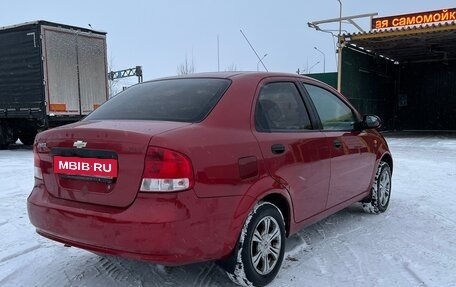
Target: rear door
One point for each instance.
(61, 71)
(352, 161)
(92, 71)
(296, 155)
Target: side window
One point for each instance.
(334, 113)
(280, 108)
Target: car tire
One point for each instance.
(381, 190)
(260, 249)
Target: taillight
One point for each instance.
(39, 148)
(166, 170)
(37, 165)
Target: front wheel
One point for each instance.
(381, 190)
(259, 254)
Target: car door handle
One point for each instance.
(278, 148)
(337, 143)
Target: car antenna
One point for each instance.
(253, 49)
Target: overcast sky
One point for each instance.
(160, 34)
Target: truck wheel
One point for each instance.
(5, 136)
(3, 143)
(260, 250)
(28, 138)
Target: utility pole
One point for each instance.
(339, 50)
(218, 54)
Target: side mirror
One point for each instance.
(369, 122)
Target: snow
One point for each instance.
(412, 244)
(239, 275)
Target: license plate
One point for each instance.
(95, 167)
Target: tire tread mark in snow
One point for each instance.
(20, 253)
(414, 274)
(12, 275)
(322, 263)
(204, 279)
(160, 272)
(409, 239)
(115, 270)
(363, 269)
(79, 276)
(402, 267)
(336, 246)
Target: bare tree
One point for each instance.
(231, 68)
(186, 67)
(113, 85)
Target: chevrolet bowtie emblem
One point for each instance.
(79, 144)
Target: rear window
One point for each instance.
(181, 100)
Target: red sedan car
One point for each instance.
(217, 166)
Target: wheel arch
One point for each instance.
(283, 204)
(388, 159)
(265, 189)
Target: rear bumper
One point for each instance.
(170, 229)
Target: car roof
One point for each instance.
(244, 75)
(235, 74)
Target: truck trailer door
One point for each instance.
(74, 70)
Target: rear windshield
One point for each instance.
(181, 100)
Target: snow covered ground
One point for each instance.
(412, 244)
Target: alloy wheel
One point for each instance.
(266, 245)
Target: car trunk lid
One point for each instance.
(97, 162)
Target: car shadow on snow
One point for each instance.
(126, 272)
(298, 247)
(342, 222)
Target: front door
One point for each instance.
(352, 161)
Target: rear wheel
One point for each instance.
(381, 190)
(260, 250)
